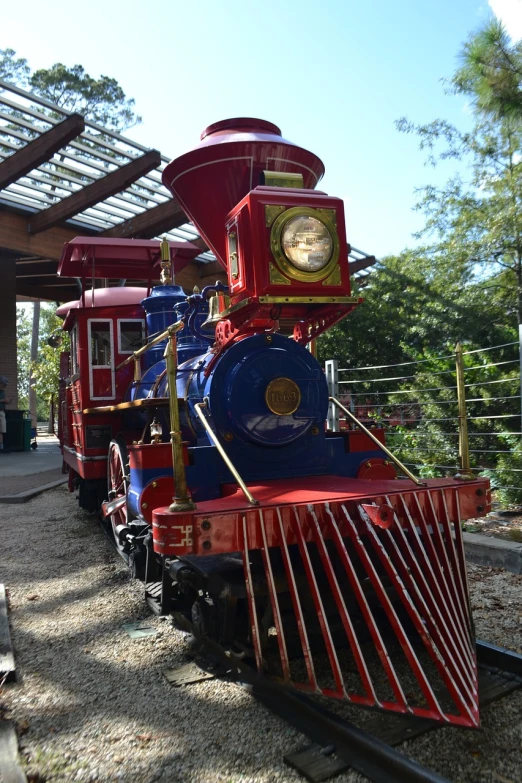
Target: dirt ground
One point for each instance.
(92, 703)
(499, 524)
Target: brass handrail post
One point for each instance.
(377, 442)
(164, 335)
(464, 472)
(181, 500)
(137, 369)
(226, 459)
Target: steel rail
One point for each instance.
(499, 657)
(360, 750)
(363, 752)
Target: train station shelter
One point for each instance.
(62, 176)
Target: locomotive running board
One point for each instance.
(368, 583)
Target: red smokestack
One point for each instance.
(209, 180)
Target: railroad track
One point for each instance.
(339, 745)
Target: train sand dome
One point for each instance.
(212, 178)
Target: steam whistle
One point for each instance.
(166, 264)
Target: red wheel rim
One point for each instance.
(118, 485)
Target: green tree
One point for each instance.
(46, 369)
(491, 73)
(23, 348)
(419, 302)
(474, 221)
(101, 100)
(12, 68)
(464, 284)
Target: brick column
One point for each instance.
(8, 365)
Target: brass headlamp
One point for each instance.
(305, 243)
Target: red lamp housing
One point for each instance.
(259, 270)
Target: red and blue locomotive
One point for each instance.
(197, 422)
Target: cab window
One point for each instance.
(101, 347)
(130, 335)
(74, 350)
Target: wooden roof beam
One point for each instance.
(200, 242)
(14, 236)
(97, 191)
(48, 293)
(149, 224)
(153, 223)
(360, 264)
(40, 149)
(212, 268)
(36, 269)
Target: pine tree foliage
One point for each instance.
(12, 68)
(463, 283)
(491, 73)
(101, 100)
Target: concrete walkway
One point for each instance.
(24, 474)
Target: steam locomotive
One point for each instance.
(196, 422)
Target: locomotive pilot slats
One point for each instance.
(364, 585)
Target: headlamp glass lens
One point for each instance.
(307, 243)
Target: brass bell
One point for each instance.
(216, 305)
(55, 340)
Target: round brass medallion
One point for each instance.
(283, 396)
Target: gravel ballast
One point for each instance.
(92, 704)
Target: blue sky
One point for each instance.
(334, 75)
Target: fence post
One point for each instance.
(331, 368)
(464, 472)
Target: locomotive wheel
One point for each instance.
(118, 481)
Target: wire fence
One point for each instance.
(417, 403)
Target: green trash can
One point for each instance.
(14, 437)
(27, 434)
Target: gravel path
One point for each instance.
(92, 704)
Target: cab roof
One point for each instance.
(105, 297)
(136, 259)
